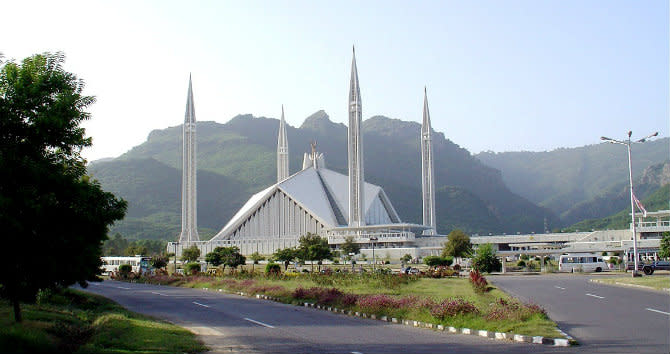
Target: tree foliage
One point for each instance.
(49, 207)
(665, 246)
(286, 256)
(349, 247)
(312, 248)
(159, 261)
(437, 261)
(457, 245)
(226, 256)
(485, 259)
(190, 254)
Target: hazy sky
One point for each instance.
(501, 75)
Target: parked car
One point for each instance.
(649, 269)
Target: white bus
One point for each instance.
(138, 263)
(585, 262)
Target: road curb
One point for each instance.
(519, 338)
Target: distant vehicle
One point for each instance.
(650, 268)
(585, 262)
(139, 264)
(410, 270)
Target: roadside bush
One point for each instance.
(453, 307)
(521, 263)
(192, 268)
(125, 270)
(272, 269)
(507, 310)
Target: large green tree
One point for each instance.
(285, 255)
(312, 248)
(485, 259)
(457, 245)
(226, 256)
(190, 254)
(54, 217)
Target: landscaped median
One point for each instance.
(442, 303)
(651, 282)
(78, 322)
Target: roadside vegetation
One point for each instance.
(451, 301)
(76, 322)
(656, 281)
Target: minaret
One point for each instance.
(427, 170)
(355, 141)
(282, 150)
(189, 216)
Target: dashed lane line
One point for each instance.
(596, 296)
(558, 287)
(199, 304)
(121, 287)
(155, 293)
(659, 311)
(259, 323)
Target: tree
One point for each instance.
(190, 254)
(135, 249)
(485, 259)
(226, 256)
(48, 205)
(665, 246)
(312, 248)
(159, 262)
(457, 245)
(286, 256)
(256, 257)
(406, 258)
(349, 247)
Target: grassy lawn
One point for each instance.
(409, 298)
(656, 281)
(78, 322)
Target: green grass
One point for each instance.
(84, 323)
(656, 281)
(424, 288)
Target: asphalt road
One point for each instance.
(229, 323)
(602, 318)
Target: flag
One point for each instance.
(639, 205)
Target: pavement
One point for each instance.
(602, 318)
(234, 324)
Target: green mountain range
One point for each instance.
(579, 183)
(238, 158)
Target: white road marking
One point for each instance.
(155, 293)
(259, 323)
(663, 312)
(199, 304)
(558, 287)
(356, 353)
(120, 287)
(596, 296)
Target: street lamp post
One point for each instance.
(175, 257)
(374, 261)
(630, 178)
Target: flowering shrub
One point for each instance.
(453, 307)
(502, 309)
(349, 299)
(376, 303)
(478, 282)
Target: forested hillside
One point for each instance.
(238, 158)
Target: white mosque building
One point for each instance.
(324, 202)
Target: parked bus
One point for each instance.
(585, 262)
(138, 263)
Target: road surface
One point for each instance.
(602, 318)
(230, 323)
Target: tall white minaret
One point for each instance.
(355, 141)
(427, 170)
(282, 150)
(189, 216)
